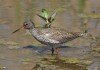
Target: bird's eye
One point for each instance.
(26, 24)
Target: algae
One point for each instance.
(13, 47)
(64, 63)
(11, 43)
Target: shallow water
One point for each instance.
(20, 51)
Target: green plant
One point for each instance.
(46, 17)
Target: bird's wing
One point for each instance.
(61, 36)
(64, 37)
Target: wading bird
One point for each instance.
(52, 37)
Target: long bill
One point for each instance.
(18, 29)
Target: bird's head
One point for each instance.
(27, 25)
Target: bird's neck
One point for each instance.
(34, 32)
(32, 29)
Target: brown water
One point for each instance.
(14, 12)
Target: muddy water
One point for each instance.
(17, 57)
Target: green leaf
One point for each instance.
(41, 17)
(45, 13)
(51, 19)
(46, 17)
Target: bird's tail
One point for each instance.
(86, 34)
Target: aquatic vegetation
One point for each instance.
(87, 62)
(92, 15)
(11, 43)
(39, 67)
(25, 63)
(72, 60)
(63, 63)
(64, 60)
(27, 59)
(48, 19)
(47, 58)
(97, 49)
(44, 63)
(13, 47)
(77, 60)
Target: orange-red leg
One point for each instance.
(57, 52)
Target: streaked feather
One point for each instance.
(55, 35)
